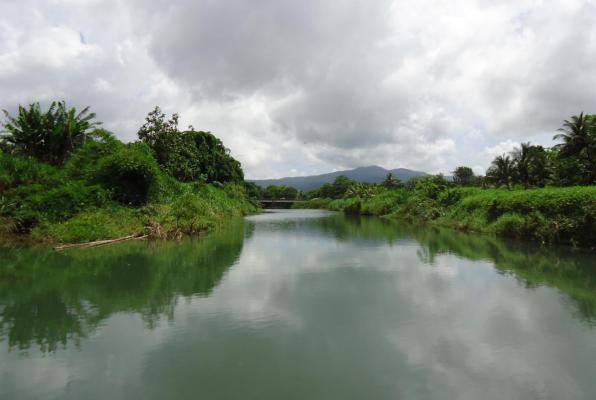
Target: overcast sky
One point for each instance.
(301, 87)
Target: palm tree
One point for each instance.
(579, 140)
(574, 134)
(502, 170)
(522, 157)
(48, 136)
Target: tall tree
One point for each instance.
(502, 170)
(522, 159)
(578, 136)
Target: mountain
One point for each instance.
(371, 174)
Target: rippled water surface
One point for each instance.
(300, 305)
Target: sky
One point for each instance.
(312, 86)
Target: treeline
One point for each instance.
(273, 192)
(570, 162)
(63, 177)
(538, 193)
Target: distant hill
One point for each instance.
(371, 174)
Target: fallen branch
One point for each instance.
(99, 242)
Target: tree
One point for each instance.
(502, 170)
(521, 159)
(274, 192)
(253, 191)
(463, 176)
(48, 136)
(162, 136)
(207, 155)
(532, 165)
(190, 155)
(539, 168)
(392, 182)
(579, 140)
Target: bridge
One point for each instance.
(282, 203)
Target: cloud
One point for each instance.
(310, 86)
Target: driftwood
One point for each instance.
(99, 242)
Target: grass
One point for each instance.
(193, 212)
(548, 215)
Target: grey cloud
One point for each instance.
(326, 57)
(324, 84)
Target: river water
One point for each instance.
(300, 305)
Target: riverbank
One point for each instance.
(41, 203)
(194, 212)
(547, 215)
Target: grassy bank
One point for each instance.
(107, 189)
(194, 209)
(548, 215)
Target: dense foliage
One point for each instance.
(190, 155)
(282, 192)
(61, 180)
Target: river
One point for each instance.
(300, 305)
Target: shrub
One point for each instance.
(427, 186)
(84, 162)
(130, 174)
(94, 224)
(16, 170)
(36, 202)
(512, 225)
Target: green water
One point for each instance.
(300, 305)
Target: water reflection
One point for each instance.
(50, 299)
(316, 306)
(572, 271)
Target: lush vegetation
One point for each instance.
(279, 192)
(533, 192)
(63, 179)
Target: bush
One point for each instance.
(386, 202)
(427, 186)
(36, 202)
(512, 225)
(84, 162)
(130, 174)
(548, 215)
(15, 171)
